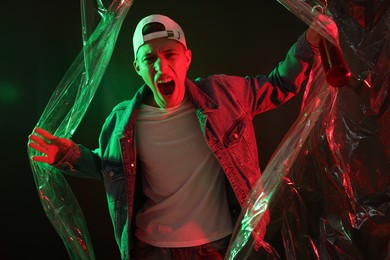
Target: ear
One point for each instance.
(136, 67)
(188, 57)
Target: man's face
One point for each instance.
(163, 65)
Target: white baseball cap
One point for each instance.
(171, 31)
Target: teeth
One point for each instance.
(164, 80)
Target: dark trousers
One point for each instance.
(213, 251)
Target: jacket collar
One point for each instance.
(129, 115)
(199, 98)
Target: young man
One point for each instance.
(180, 158)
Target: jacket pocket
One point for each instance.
(114, 180)
(234, 134)
(115, 184)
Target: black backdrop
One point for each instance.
(39, 41)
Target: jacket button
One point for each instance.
(111, 173)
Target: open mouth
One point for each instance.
(166, 87)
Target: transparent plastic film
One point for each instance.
(362, 35)
(277, 173)
(327, 186)
(64, 112)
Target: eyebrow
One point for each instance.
(170, 50)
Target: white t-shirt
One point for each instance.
(183, 181)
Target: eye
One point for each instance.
(149, 59)
(171, 54)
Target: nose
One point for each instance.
(160, 64)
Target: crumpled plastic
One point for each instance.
(64, 112)
(327, 186)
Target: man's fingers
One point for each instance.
(329, 24)
(37, 140)
(40, 159)
(44, 133)
(40, 142)
(38, 147)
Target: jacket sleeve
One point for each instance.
(81, 162)
(264, 92)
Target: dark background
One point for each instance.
(40, 40)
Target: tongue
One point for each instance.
(166, 88)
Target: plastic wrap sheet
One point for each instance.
(63, 113)
(327, 186)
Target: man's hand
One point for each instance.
(52, 147)
(312, 35)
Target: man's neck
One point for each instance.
(149, 100)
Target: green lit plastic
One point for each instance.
(65, 111)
